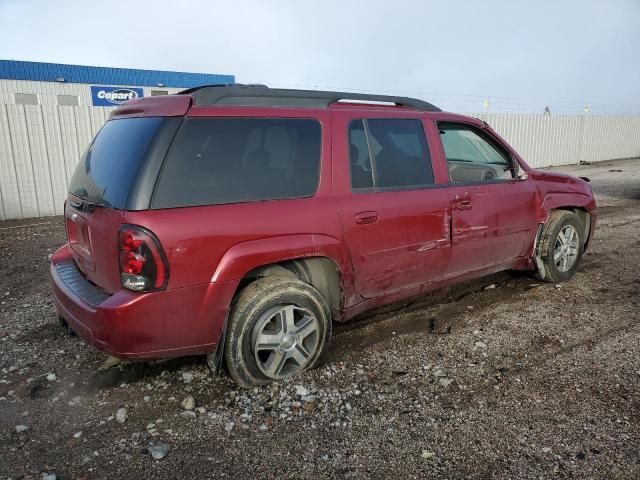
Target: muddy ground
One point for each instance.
(518, 381)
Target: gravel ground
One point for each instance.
(498, 378)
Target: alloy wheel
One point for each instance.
(565, 248)
(284, 340)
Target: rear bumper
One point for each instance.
(170, 323)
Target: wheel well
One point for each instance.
(320, 272)
(585, 219)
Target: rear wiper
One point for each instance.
(84, 205)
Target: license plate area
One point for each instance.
(79, 237)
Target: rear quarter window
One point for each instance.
(215, 161)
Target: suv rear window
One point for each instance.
(230, 160)
(108, 167)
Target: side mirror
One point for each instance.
(517, 171)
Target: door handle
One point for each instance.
(462, 202)
(364, 218)
(464, 205)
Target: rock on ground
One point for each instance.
(121, 415)
(159, 450)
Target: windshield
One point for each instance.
(106, 170)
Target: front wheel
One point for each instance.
(561, 246)
(278, 327)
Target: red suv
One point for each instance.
(240, 221)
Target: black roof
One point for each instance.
(263, 96)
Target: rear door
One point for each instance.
(98, 194)
(493, 210)
(394, 217)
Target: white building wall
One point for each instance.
(567, 139)
(40, 145)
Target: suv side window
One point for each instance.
(230, 160)
(388, 154)
(472, 156)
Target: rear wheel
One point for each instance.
(278, 327)
(561, 246)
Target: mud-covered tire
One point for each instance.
(251, 307)
(560, 222)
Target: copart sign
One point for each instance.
(113, 96)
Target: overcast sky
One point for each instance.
(522, 55)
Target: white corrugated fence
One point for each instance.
(545, 140)
(41, 144)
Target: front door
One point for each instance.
(493, 211)
(395, 219)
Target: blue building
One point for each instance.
(33, 83)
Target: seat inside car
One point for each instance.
(360, 178)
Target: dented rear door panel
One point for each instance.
(396, 239)
(407, 245)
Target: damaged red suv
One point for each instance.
(239, 221)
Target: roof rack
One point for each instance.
(263, 96)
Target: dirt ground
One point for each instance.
(520, 380)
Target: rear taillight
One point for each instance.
(143, 265)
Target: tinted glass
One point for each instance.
(471, 157)
(361, 175)
(230, 160)
(107, 169)
(400, 154)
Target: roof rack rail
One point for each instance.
(263, 96)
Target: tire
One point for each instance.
(552, 241)
(278, 327)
